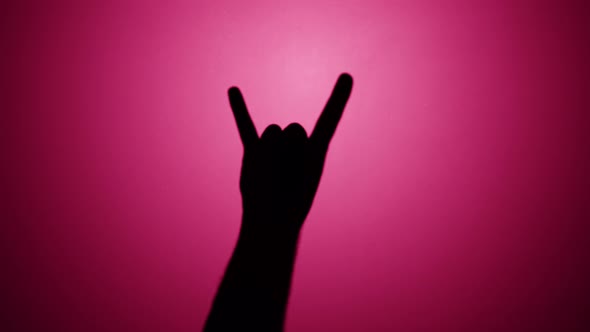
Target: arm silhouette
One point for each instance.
(280, 175)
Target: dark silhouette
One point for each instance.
(281, 171)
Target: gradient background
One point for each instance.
(455, 195)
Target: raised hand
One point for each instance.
(281, 170)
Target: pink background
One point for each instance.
(454, 198)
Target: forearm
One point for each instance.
(254, 292)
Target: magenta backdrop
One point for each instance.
(454, 198)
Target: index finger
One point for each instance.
(244, 122)
(328, 121)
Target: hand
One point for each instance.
(281, 170)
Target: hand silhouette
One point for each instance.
(281, 170)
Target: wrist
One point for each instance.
(269, 232)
